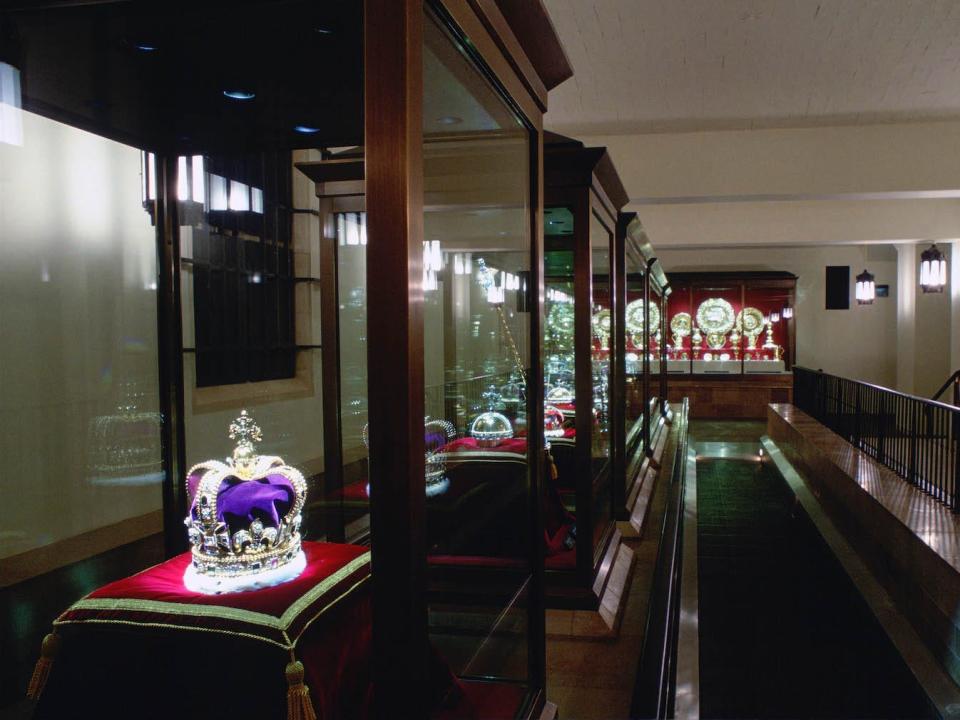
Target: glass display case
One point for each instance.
(646, 408)
(732, 323)
(357, 330)
(583, 359)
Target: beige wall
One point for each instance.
(79, 437)
(859, 342)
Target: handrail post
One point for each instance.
(915, 421)
(955, 446)
(857, 439)
(956, 390)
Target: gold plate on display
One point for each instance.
(751, 320)
(680, 324)
(635, 320)
(715, 316)
(601, 324)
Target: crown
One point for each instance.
(244, 514)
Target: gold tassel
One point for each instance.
(299, 706)
(41, 671)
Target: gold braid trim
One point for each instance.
(216, 611)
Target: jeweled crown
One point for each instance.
(244, 513)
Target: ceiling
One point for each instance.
(687, 65)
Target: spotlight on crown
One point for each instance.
(244, 517)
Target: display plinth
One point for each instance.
(147, 647)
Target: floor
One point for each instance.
(593, 679)
(727, 430)
(776, 607)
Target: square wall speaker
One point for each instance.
(838, 287)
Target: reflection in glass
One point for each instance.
(477, 319)
(600, 240)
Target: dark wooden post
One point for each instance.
(393, 98)
(170, 355)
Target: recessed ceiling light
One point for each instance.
(449, 120)
(239, 94)
(145, 47)
(306, 129)
(323, 30)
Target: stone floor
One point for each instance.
(593, 679)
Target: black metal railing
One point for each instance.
(954, 382)
(915, 437)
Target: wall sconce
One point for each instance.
(866, 288)
(774, 317)
(933, 270)
(787, 312)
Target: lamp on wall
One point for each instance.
(11, 99)
(866, 288)
(933, 270)
(774, 317)
(787, 312)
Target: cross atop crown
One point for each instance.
(245, 430)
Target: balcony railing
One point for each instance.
(915, 437)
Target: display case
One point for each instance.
(645, 397)
(733, 334)
(359, 328)
(732, 323)
(584, 356)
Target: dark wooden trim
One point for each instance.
(776, 278)
(573, 165)
(533, 28)
(583, 380)
(647, 445)
(393, 139)
(618, 386)
(170, 357)
(536, 617)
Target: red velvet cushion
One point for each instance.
(157, 598)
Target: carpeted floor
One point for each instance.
(783, 631)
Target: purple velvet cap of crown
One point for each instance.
(240, 502)
(434, 439)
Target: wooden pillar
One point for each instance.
(393, 98)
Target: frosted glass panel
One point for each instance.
(79, 422)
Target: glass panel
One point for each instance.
(766, 349)
(715, 341)
(654, 313)
(79, 401)
(680, 326)
(559, 367)
(351, 252)
(635, 318)
(477, 318)
(600, 237)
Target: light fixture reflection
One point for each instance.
(242, 95)
(11, 115)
